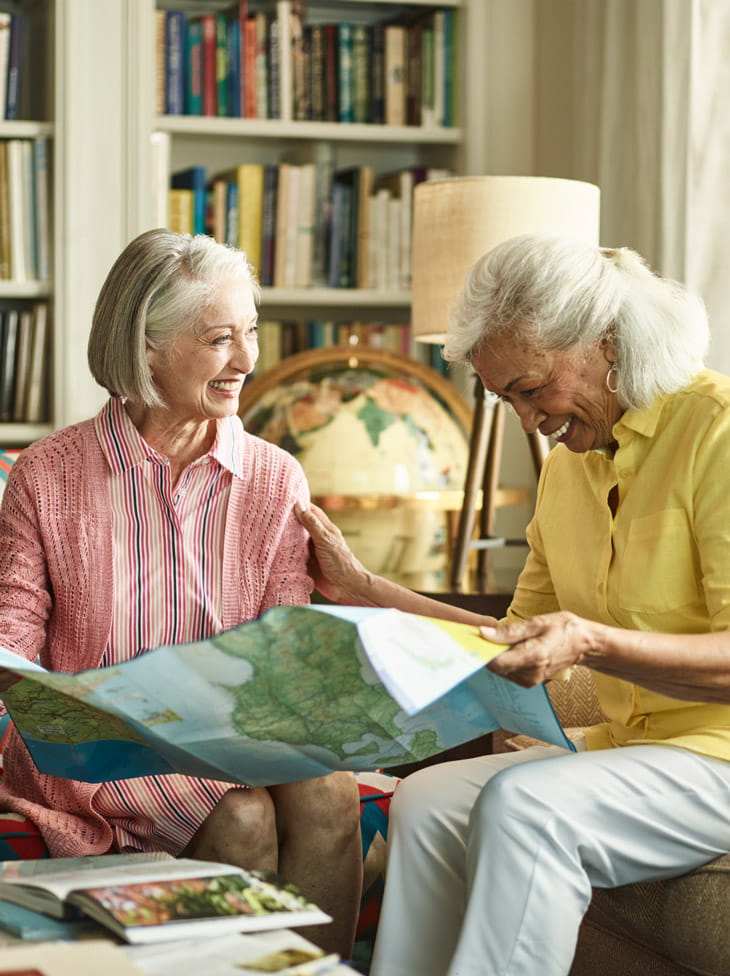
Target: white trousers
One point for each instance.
(490, 875)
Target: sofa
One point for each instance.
(660, 928)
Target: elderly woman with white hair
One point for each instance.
(492, 859)
(162, 521)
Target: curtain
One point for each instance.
(646, 83)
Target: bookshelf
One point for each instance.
(170, 143)
(74, 94)
(26, 202)
(92, 96)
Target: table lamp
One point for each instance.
(455, 221)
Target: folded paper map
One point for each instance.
(298, 693)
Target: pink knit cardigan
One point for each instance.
(57, 588)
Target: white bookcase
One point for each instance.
(221, 143)
(93, 96)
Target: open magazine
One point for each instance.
(298, 693)
(148, 898)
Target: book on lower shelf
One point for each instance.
(194, 179)
(156, 898)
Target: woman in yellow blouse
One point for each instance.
(492, 859)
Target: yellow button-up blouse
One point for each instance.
(662, 563)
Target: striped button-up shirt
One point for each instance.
(168, 560)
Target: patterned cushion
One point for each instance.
(376, 790)
(7, 459)
(20, 839)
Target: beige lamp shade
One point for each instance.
(457, 220)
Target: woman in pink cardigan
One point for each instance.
(161, 521)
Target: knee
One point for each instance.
(330, 804)
(427, 810)
(246, 812)
(513, 794)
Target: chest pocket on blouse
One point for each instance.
(659, 566)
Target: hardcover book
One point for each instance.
(5, 19)
(195, 179)
(175, 62)
(15, 66)
(154, 897)
(194, 68)
(249, 178)
(35, 396)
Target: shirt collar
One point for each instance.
(124, 448)
(642, 421)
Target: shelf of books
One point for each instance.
(297, 131)
(26, 139)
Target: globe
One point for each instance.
(384, 454)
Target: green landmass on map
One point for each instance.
(310, 690)
(45, 713)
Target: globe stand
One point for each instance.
(482, 475)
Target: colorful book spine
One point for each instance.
(395, 68)
(20, 271)
(250, 110)
(360, 73)
(221, 65)
(233, 68)
(22, 362)
(316, 75)
(262, 65)
(5, 257)
(175, 62)
(41, 209)
(5, 21)
(273, 64)
(15, 64)
(301, 90)
(332, 73)
(414, 70)
(428, 115)
(194, 68)
(180, 211)
(345, 74)
(286, 77)
(250, 178)
(195, 179)
(232, 213)
(268, 224)
(36, 396)
(450, 55)
(210, 56)
(377, 75)
(11, 325)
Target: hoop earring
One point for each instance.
(613, 369)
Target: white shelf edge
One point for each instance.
(14, 435)
(334, 297)
(10, 288)
(197, 125)
(10, 129)
(411, 3)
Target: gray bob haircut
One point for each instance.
(156, 289)
(561, 294)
